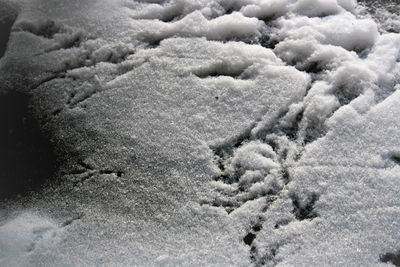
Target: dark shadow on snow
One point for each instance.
(27, 159)
(393, 258)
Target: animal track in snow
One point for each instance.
(85, 171)
(258, 165)
(79, 58)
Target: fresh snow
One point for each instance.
(199, 133)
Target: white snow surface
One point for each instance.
(207, 133)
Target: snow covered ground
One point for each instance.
(199, 133)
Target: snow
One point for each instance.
(205, 133)
(332, 30)
(265, 9)
(312, 8)
(195, 24)
(25, 235)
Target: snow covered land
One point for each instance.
(199, 133)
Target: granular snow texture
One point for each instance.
(199, 133)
